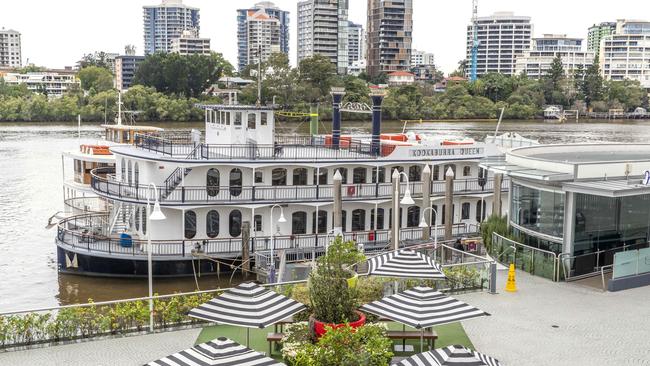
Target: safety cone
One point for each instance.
(511, 286)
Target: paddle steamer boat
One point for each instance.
(217, 193)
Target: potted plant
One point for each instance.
(332, 292)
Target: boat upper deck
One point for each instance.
(184, 149)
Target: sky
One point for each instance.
(57, 33)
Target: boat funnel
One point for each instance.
(377, 98)
(337, 96)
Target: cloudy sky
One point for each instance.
(57, 33)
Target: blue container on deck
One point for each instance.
(125, 240)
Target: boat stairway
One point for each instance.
(174, 179)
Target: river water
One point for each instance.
(31, 191)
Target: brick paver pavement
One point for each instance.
(547, 323)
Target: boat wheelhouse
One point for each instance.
(217, 193)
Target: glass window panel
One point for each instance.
(190, 224)
(212, 224)
(299, 223)
(212, 182)
(234, 223)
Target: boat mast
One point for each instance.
(119, 108)
(259, 75)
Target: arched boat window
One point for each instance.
(136, 174)
(464, 211)
(235, 182)
(299, 223)
(190, 224)
(257, 220)
(144, 220)
(129, 173)
(137, 219)
(212, 224)
(359, 175)
(413, 216)
(212, 180)
(320, 224)
(234, 223)
(358, 220)
(380, 219)
(453, 208)
(279, 177)
(123, 169)
(320, 176)
(467, 171)
(300, 177)
(480, 210)
(415, 173)
(382, 175)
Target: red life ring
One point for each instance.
(351, 190)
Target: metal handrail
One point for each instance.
(602, 274)
(104, 184)
(93, 242)
(533, 250)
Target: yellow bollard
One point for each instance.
(510, 284)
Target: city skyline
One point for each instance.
(120, 23)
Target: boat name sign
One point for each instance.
(447, 152)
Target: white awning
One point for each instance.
(609, 188)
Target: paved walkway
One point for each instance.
(127, 351)
(547, 323)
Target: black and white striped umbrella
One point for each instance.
(422, 307)
(248, 305)
(449, 356)
(405, 263)
(221, 351)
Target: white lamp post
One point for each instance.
(423, 224)
(156, 215)
(281, 219)
(407, 200)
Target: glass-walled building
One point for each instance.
(582, 202)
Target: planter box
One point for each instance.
(320, 328)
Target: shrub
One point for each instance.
(333, 301)
(363, 346)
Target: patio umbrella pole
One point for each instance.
(421, 339)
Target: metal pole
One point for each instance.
(496, 205)
(449, 203)
(338, 204)
(396, 221)
(493, 278)
(149, 259)
(426, 200)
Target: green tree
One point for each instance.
(98, 59)
(591, 86)
(553, 82)
(317, 75)
(182, 75)
(95, 79)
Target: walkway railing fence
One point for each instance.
(533, 260)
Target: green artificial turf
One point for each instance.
(448, 334)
